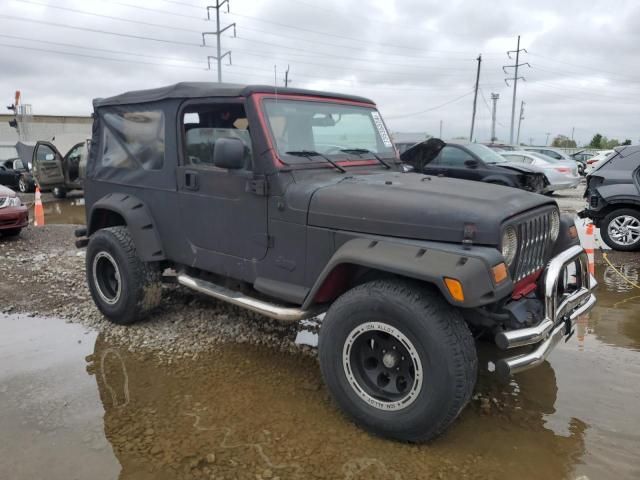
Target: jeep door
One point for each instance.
(221, 213)
(47, 165)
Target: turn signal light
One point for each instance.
(455, 289)
(499, 273)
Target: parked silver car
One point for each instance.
(561, 174)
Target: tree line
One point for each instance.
(598, 142)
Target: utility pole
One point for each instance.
(475, 98)
(494, 99)
(530, 141)
(515, 79)
(520, 121)
(219, 4)
(286, 77)
(546, 142)
(440, 137)
(573, 130)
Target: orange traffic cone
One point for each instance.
(589, 246)
(38, 209)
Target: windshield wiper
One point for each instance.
(361, 151)
(311, 153)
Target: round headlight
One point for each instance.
(509, 244)
(555, 225)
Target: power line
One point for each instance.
(433, 108)
(101, 58)
(97, 49)
(95, 30)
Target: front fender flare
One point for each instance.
(426, 261)
(139, 222)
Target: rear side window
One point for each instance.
(133, 139)
(453, 156)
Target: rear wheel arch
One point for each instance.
(115, 210)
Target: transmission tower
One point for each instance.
(515, 79)
(218, 33)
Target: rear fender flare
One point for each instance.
(138, 220)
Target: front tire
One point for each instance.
(123, 287)
(621, 229)
(398, 359)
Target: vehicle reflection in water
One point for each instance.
(67, 211)
(247, 412)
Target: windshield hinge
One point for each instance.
(258, 186)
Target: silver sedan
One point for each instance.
(562, 174)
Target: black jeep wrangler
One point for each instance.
(292, 203)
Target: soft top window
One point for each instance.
(133, 139)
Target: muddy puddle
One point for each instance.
(76, 405)
(69, 211)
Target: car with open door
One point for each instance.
(291, 203)
(56, 172)
(613, 199)
(472, 161)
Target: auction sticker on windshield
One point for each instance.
(381, 130)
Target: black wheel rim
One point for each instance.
(106, 276)
(382, 366)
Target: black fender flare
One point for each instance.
(430, 262)
(138, 220)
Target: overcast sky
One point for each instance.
(415, 58)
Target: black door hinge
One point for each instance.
(258, 186)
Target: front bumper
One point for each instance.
(564, 302)
(14, 217)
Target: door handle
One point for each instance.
(191, 181)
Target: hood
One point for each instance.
(6, 192)
(418, 207)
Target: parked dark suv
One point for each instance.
(291, 203)
(613, 199)
(472, 161)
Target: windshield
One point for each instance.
(485, 153)
(327, 129)
(7, 153)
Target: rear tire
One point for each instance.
(619, 236)
(123, 287)
(398, 359)
(59, 192)
(11, 232)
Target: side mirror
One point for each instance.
(228, 153)
(471, 163)
(49, 157)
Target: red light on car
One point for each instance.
(563, 169)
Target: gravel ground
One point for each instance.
(44, 275)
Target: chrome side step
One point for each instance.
(277, 312)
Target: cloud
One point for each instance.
(409, 56)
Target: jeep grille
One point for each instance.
(534, 234)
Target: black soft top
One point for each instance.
(211, 89)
